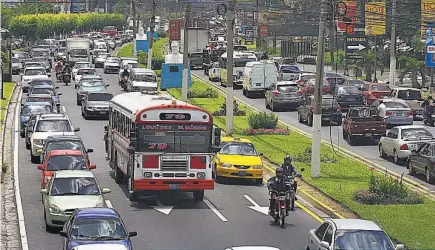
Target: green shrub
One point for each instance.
(262, 120)
(142, 57)
(305, 157)
(208, 93)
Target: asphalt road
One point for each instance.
(333, 133)
(222, 220)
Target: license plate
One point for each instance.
(174, 158)
(102, 112)
(241, 173)
(326, 118)
(399, 114)
(351, 99)
(174, 186)
(369, 134)
(258, 84)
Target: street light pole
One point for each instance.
(317, 106)
(230, 56)
(151, 38)
(393, 45)
(185, 83)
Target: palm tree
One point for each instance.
(366, 64)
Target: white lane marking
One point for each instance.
(256, 207)
(208, 203)
(251, 200)
(63, 109)
(22, 225)
(109, 204)
(163, 209)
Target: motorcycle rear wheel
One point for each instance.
(282, 218)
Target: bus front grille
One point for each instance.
(173, 165)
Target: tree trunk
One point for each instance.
(415, 83)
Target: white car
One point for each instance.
(101, 59)
(78, 66)
(31, 73)
(48, 125)
(142, 80)
(84, 71)
(352, 234)
(112, 64)
(401, 140)
(302, 77)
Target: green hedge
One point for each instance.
(159, 53)
(44, 25)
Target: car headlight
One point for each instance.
(90, 108)
(226, 165)
(53, 209)
(38, 142)
(257, 167)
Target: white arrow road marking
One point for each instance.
(256, 207)
(208, 203)
(358, 47)
(163, 209)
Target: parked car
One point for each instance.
(282, 95)
(96, 104)
(331, 111)
(32, 108)
(363, 123)
(375, 91)
(422, 161)
(398, 112)
(348, 96)
(401, 140)
(349, 234)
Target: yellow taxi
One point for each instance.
(238, 158)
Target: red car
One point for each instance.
(308, 88)
(375, 91)
(57, 160)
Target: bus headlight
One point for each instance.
(201, 175)
(147, 175)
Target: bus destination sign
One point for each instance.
(175, 116)
(193, 127)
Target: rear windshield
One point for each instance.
(287, 88)
(307, 77)
(348, 90)
(329, 102)
(395, 105)
(409, 94)
(416, 133)
(65, 145)
(53, 126)
(99, 97)
(290, 69)
(66, 162)
(380, 88)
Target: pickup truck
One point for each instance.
(363, 123)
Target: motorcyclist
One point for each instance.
(279, 183)
(125, 72)
(58, 67)
(427, 102)
(66, 69)
(290, 170)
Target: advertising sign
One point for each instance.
(430, 45)
(175, 26)
(347, 14)
(427, 15)
(264, 31)
(375, 16)
(249, 34)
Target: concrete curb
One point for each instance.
(4, 126)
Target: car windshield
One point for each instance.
(92, 78)
(35, 72)
(307, 77)
(75, 186)
(196, 55)
(242, 62)
(287, 88)
(132, 65)
(36, 109)
(86, 72)
(348, 90)
(33, 64)
(288, 61)
(383, 87)
(409, 94)
(82, 65)
(395, 105)
(42, 91)
(112, 60)
(42, 82)
(332, 75)
(96, 228)
(39, 99)
(41, 60)
(53, 126)
(238, 148)
(100, 97)
(92, 84)
(416, 133)
(39, 53)
(61, 50)
(362, 240)
(145, 78)
(103, 56)
(66, 162)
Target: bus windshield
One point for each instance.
(175, 138)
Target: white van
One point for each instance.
(258, 76)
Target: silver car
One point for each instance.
(283, 94)
(17, 67)
(398, 112)
(45, 63)
(401, 140)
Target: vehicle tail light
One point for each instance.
(276, 93)
(300, 92)
(410, 113)
(150, 161)
(404, 147)
(338, 108)
(389, 113)
(198, 162)
(372, 94)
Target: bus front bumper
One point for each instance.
(173, 184)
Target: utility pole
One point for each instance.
(185, 82)
(230, 52)
(393, 45)
(317, 111)
(151, 38)
(133, 10)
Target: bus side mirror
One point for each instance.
(217, 136)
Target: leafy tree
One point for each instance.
(8, 13)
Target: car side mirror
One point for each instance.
(324, 244)
(92, 166)
(43, 191)
(106, 191)
(89, 150)
(63, 234)
(40, 167)
(400, 246)
(76, 129)
(132, 234)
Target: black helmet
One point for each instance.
(288, 159)
(279, 172)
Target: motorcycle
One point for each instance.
(280, 209)
(66, 78)
(123, 83)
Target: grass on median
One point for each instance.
(409, 224)
(126, 51)
(7, 93)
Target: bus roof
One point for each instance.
(240, 54)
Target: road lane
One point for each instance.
(190, 225)
(332, 133)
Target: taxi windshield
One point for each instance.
(238, 148)
(75, 186)
(66, 162)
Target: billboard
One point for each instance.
(375, 16)
(175, 26)
(347, 14)
(427, 14)
(264, 31)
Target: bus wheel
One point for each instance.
(132, 196)
(198, 195)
